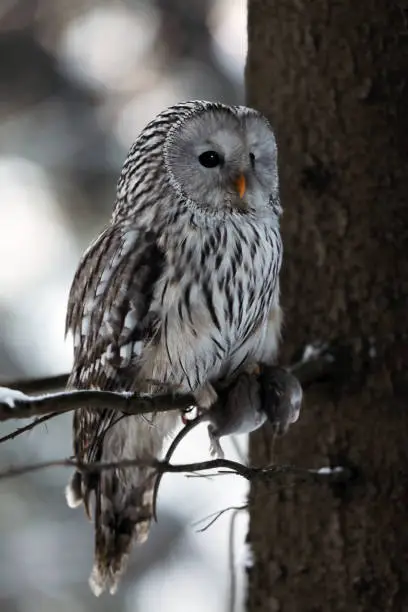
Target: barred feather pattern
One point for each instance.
(169, 292)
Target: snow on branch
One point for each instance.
(17, 405)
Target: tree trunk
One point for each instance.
(332, 78)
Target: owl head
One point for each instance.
(223, 158)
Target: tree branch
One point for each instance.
(29, 427)
(214, 516)
(338, 474)
(315, 364)
(17, 405)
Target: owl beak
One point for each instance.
(240, 184)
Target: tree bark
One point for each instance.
(332, 78)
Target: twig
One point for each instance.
(231, 563)
(215, 516)
(181, 434)
(22, 430)
(172, 448)
(233, 467)
(231, 550)
(160, 466)
(206, 476)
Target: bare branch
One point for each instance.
(231, 562)
(17, 405)
(212, 518)
(230, 467)
(160, 466)
(22, 430)
(307, 371)
(181, 434)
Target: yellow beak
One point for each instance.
(240, 185)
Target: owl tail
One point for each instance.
(123, 513)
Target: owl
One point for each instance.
(181, 289)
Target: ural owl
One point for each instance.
(182, 287)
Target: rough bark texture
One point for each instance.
(332, 78)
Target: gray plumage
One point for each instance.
(182, 288)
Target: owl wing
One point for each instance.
(110, 318)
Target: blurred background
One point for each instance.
(78, 81)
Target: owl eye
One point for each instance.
(209, 159)
(252, 159)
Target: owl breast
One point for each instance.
(213, 301)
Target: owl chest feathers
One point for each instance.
(213, 300)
